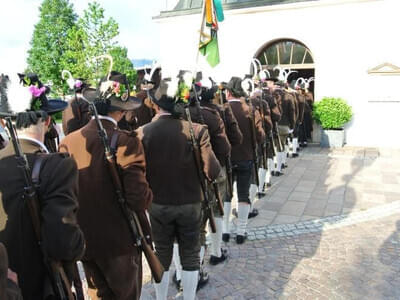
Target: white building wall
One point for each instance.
(346, 39)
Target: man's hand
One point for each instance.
(12, 276)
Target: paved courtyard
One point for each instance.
(328, 229)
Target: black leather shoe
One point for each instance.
(226, 237)
(177, 282)
(240, 239)
(269, 184)
(278, 173)
(253, 213)
(284, 166)
(295, 154)
(215, 260)
(203, 279)
(273, 173)
(260, 195)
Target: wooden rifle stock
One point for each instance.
(131, 217)
(228, 163)
(218, 199)
(263, 145)
(253, 142)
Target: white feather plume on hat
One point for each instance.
(19, 97)
(168, 88)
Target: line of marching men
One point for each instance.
(184, 150)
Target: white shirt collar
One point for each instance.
(234, 100)
(107, 118)
(35, 141)
(164, 114)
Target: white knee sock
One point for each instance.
(243, 215)
(177, 261)
(284, 156)
(189, 284)
(234, 191)
(279, 157)
(216, 239)
(162, 287)
(252, 194)
(295, 145)
(262, 173)
(270, 163)
(227, 215)
(202, 253)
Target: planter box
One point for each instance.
(332, 138)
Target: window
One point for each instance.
(287, 53)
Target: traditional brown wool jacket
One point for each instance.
(62, 238)
(241, 111)
(76, 115)
(170, 164)
(100, 217)
(287, 108)
(216, 129)
(263, 108)
(232, 130)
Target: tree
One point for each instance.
(49, 40)
(123, 64)
(94, 36)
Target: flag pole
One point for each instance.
(203, 12)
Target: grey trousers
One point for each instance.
(181, 223)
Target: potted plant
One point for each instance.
(332, 114)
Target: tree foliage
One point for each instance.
(332, 113)
(84, 39)
(49, 40)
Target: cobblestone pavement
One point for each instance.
(360, 261)
(328, 229)
(323, 182)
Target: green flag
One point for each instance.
(208, 45)
(211, 52)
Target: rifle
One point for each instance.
(196, 153)
(55, 271)
(214, 184)
(228, 163)
(133, 219)
(263, 145)
(253, 140)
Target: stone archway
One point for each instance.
(288, 54)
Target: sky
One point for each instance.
(138, 32)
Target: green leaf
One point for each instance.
(332, 113)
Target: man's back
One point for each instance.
(171, 169)
(241, 111)
(106, 231)
(61, 236)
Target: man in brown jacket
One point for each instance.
(242, 155)
(112, 262)
(76, 115)
(261, 105)
(285, 126)
(61, 237)
(273, 147)
(176, 211)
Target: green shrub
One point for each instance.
(332, 113)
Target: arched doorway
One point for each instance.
(288, 54)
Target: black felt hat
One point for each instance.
(114, 91)
(235, 87)
(39, 100)
(165, 96)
